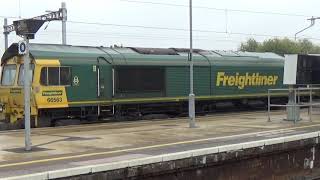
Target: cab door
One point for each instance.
(104, 79)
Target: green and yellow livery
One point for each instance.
(78, 82)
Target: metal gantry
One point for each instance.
(60, 15)
(5, 33)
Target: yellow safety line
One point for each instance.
(142, 148)
(250, 126)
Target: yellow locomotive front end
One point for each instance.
(11, 94)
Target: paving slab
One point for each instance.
(115, 144)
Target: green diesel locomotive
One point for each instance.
(77, 82)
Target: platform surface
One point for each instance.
(76, 146)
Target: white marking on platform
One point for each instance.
(110, 159)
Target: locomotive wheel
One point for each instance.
(155, 116)
(19, 124)
(66, 122)
(4, 126)
(44, 121)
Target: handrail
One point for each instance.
(297, 94)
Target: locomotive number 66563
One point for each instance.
(54, 99)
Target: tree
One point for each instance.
(306, 46)
(280, 46)
(251, 45)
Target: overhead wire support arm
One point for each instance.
(52, 16)
(313, 21)
(8, 29)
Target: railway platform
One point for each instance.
(74, 151)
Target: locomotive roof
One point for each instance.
(133, 55)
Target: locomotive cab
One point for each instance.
(11, 91)
(62, 89)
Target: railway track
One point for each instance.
(219, 114)
(106, 124)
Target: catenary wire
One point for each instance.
(181, 29)
(217, 9)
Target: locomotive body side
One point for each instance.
(245, 77)
(74, 82)
(215, 76)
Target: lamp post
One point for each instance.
(27, 87)
(27, 29)
(192, 123)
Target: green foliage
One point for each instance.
(280, 46)
(251, 45)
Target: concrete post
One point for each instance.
(192, 123)
(64, 23)
(269, 106)
(5, 33)
(310, 103)
(27, 88)
(293, 111)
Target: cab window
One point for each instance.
(21, 74)
(8, 75)
(65, 76)
(55, 76)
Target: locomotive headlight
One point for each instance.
(37, 89)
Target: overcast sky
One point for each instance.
(218, 24)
